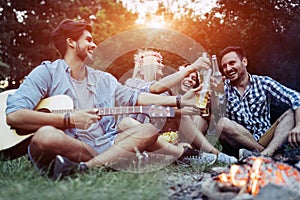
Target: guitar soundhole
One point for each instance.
(45, 110)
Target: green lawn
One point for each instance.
(19, 180)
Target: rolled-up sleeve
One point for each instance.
(31, 91)
(282, 93)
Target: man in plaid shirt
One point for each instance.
(247, 122)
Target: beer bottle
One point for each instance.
(216, 72)
(204, 95)
(218, 101)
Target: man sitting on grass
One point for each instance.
(247, 125)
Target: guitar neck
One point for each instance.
(121, 110)
(151, 111)
(108, 111)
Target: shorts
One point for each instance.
(47, 168)
(265, 139)
(102, 145)
(42, 168)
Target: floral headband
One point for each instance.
(138, 58)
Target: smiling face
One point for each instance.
(85, 46)
(234, 67)
(188, 83)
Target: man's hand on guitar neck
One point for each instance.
(83, 119)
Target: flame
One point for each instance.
(255, 176)
(223, 177)
(234, 171)
(259, 172)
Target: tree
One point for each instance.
(267, 30)
(27, 37)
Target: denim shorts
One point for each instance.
(99, 148)
(42, 168)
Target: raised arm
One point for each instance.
(172, 80)
(188, 99)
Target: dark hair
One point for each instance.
(68, 29)
(197, 77)
(238, 50)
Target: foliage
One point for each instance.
(28, 24)
(267, 29)
(264, 29)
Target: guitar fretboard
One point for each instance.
(151, 111)
(110, 111)
(121, 110)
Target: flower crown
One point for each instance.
(141, 54)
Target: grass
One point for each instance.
(19, 180)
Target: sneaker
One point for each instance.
(245, 153)
(202, 158)
(190, 156)
(64, 167)
(187, 152)
(224, 158)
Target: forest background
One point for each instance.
(268, 30)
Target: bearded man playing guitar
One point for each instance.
(84, 138)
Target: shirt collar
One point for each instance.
(90, 78)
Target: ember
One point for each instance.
(257, 172)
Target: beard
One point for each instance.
(84, 56)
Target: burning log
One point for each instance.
(257, 172)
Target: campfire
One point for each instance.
(257, 172)
(259, 178)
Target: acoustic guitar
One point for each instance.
(13, 144)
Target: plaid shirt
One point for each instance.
(252, 110)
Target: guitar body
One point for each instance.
(57, 102)
(13, 145)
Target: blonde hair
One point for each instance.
(141, 61)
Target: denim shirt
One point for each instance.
(144, 86)
(252, 110)
(53, 78)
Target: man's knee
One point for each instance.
(285, 121)
(149, 130)
(127, 122)
(47, 137)
(289, 114)
(223, 125)
(146, 133)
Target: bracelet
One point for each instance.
(67, 120)
(178, 101)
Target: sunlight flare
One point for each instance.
(148, 15)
